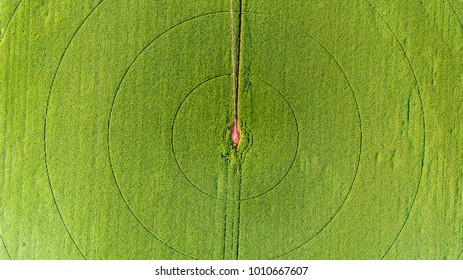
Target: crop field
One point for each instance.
(227, 129)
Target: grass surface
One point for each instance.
(115, 139)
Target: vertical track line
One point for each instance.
(236, 58)
(236, 23)
(55, 203)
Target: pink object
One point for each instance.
(235, 134)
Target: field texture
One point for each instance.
(115, 139)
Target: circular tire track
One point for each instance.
(296, 149)
(115, 180)
(361, 133)
(423, 142)
(172, 135)
(109, 124)
(358, 117)
(360, 142)
(45, 128)
(10, 19)
(261, 79)
(423, 127)
(111, 113)
(241, 199)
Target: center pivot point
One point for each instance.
(235, 134)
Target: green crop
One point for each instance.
(116, 129)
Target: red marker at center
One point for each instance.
(235, 134)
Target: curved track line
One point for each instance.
(455, 12)
(294, 116)
(225, 200)
(109, 125)
(221, 198)
(422, 119)
(360, 138)
(358, 116)
(6, 248)
(9, 20)
(3, 166)
(337, 63)
(45, 128)
(297, 143)
(459, 255)
(172, 137)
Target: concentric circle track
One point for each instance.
(45, 127)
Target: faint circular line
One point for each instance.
(10, 19)
(407, 216)
(45, 129)
(455, 12)
(295, 118)
(221, 198)
(360, 131)
(172, 136)
(110, 117)
(459, 255)
(1, 39)
(296, 149)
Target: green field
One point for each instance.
(115, 134)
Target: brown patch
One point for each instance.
(235, 134)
